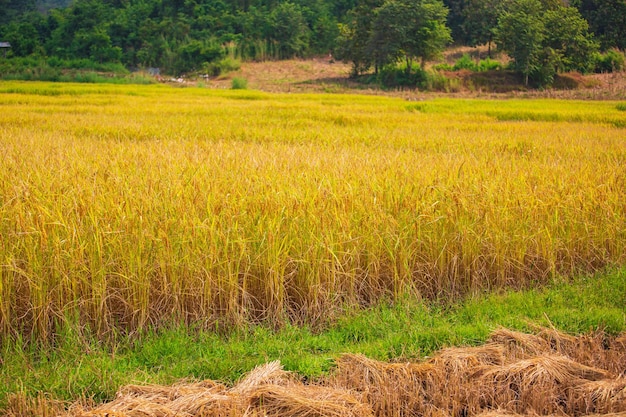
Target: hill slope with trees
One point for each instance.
(180, 36)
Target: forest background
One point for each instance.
(213, 36)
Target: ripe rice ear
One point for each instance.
(458, 365)
(269, 373)
(205, 399)
(394, 389)
(499, 413)
(305, 401)
(519, 345)
(19, 405)
(456, 361)
(602, 397)
(588, 349)
(617, 355)
(538, 384)
(622, 414)
(170, 392)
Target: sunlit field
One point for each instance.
(124, 207)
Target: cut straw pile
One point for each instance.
(514, 374)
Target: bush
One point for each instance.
(443, 67)
(610, 61)
(239, 83)
(436, 81)
(489, 65)
(465, 62)
(392, 76)
(222, 66)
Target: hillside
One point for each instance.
(394, 38)
(321, 75)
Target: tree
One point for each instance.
(12, 9)
(567, 38)
(428, 34)
(480, 18)
(607, 20)
(520, 33)
(386, 43)
(411, 29)
(354, 41)
(289, 30)
(543, 39)
(23, 38)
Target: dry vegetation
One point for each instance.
(124, 207)
(323, 75)
(515, 374)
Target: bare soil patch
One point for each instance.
(312, 75)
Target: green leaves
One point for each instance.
(394, 30)
(289, 30)
(544, 39)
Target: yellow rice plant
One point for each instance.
(125, 207)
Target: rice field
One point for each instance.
(127, 207)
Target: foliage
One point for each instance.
(467, 63)
(33, 68)
(480, 19)
(396, 76)
(225, 65)
(610, 61)
(607, 20)
(543, 40)
(183, 36)
(289, 30)
(173, 35)
(394, 30)
(239, 83)
(520, 33)
(354, 43)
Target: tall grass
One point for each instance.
(126, 207)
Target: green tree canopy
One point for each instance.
(543, 39)
(607, 20)
(396, 29)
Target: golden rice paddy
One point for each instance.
(125, 207)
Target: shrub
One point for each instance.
(465, 62)
(489, 65)
(437, 81)
(610, 61)
(393, 76)
(239, 83)
(222, 66)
